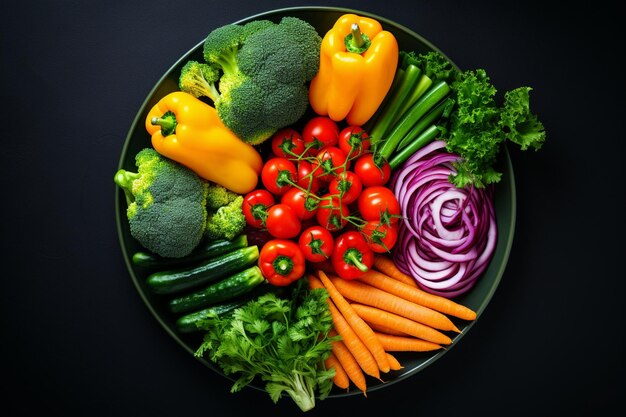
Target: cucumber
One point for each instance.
(172, 281)
(227, 289)
(205, 250)
(190, 322)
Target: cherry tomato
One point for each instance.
(372, 170)
(328, 163)
(379, 203)
(380, 237)
(320, 132)
(282, 221)
(304, 204)
(332, 213)
(277, 175)
(316, 243)
(255, 205)
(306, 179)
(347, 186)
(353, 141)
(287, 143)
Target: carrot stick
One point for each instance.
(366, 294)
(393, 362)
(341, 377)
(386, 265)
(348, 363)
(385, 281)
(358, 349)
(379, 328)
(393, 343)
(408, 326)
(364, 332)
(356, 346)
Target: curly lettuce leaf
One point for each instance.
(478, 126)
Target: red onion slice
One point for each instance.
(448, 234)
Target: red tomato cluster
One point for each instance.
(323, 199)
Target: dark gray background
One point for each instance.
(76, 339)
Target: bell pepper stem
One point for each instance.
(356, 41)
(353, 257)
(282, 265)
(167, 122)
(356, 35)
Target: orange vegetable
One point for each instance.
(348, 363)
(358, 349)
(384, 281)
(341, 377)
(408, 326)
(393, 362)
(394, 343)
(372, 296)
(189, 131)
(365, 333)
(358, 61)
(384, 329)
(386, 265)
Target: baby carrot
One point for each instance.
(341, 377)
(348, 363)
(358, 349)
(363, 293)
(364, 332)
(356, 346)
(393, 362)
(385, 264)
(408, 326)
(393, 343)
(387, 282)
(384, 329)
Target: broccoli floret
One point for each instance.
(218, 196)
(227, 222)
(221, 46)
(263, 71)
(199, 79)
(166, 204)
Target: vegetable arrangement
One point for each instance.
(311, 205)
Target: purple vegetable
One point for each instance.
(449, 234)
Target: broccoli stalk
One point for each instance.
(124, 179)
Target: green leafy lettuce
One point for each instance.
(281, 341)
(478, 126)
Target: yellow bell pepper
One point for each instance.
(189, 131)
(358, 61)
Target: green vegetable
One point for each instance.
(478, 127)
(436, 94)
(203, 319)
(227, 221)
(226, 289)
(166, 204)
(283, 342)
(194, 322)
(203, 251)
(171, 281)
(218, 196)
(256, 74)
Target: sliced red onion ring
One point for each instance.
(449, 234)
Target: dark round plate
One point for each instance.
(322, 18)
